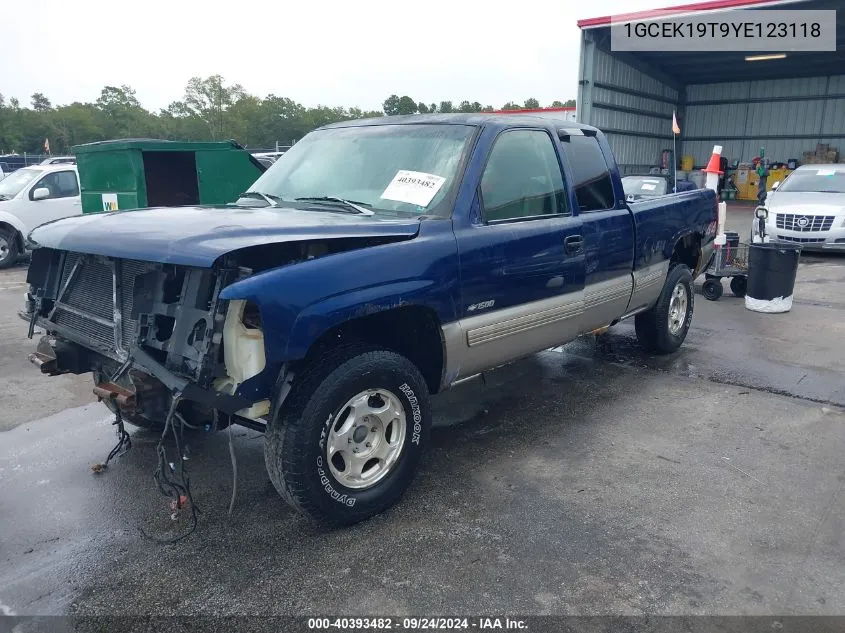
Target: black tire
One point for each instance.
(9, 248)
(712, 289)
(296, 439)
(652, 326)
(739, 286)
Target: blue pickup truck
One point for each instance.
(374, 264)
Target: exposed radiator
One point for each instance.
(87, 303)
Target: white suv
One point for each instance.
(30, 197)
(808, 208)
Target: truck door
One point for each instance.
(63, 200)
(607, 227)
(521, 256)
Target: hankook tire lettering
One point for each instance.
(415, 411)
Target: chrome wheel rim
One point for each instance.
(4, 248)
(366, 438)
(678, 309)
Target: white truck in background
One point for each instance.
(30, 197)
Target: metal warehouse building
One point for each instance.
(789, 105)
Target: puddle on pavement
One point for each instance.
(470, 403)
(622, 349)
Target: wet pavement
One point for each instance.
(27, 395)
(590, 479)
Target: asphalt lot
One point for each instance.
(26, 394)
(586, 480)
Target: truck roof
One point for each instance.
(474, 118)
(51, 167)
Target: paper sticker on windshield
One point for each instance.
(109, 202)
(825, 172)
(413, 187)
(647, 186)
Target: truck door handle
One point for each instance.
(573, 244)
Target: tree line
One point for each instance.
(395, 104)
(210, 109)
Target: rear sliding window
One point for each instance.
(593, 186)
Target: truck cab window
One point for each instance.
(62, 184)
(593, 186)
(522, 178)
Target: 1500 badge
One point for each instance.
(481, 306)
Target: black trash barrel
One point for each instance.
(771, 276)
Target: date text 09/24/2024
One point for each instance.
(416, 623)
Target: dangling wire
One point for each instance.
(234, 470)
(124, 442)
(178, 490)
(232, 457)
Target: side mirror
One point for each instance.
(42, 193)
(775, 184)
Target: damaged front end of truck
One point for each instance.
(147, 331)
(152, 325)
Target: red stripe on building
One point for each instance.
(712, 5)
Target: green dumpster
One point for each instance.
(138, 173)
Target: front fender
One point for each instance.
(300, 302)
(321, 317)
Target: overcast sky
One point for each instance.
(330, 52)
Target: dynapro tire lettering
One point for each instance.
(415, 411)
(324, 434)
(327, 486)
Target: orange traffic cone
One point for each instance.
(715, 162)
(712, 170)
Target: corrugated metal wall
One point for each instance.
(632, 108)
(785, 116)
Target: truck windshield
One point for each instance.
(12, 184)
(643, 186)
(823, 179)
(405, 169)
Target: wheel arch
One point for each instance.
(413, 330)
(687, 249)
(16, 232)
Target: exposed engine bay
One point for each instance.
(147, 331)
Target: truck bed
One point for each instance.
(661, 222)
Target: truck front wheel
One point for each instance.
(663, 328)
(346, 442)
(9, 250)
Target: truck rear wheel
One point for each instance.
(347, 441)
(663, 328)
